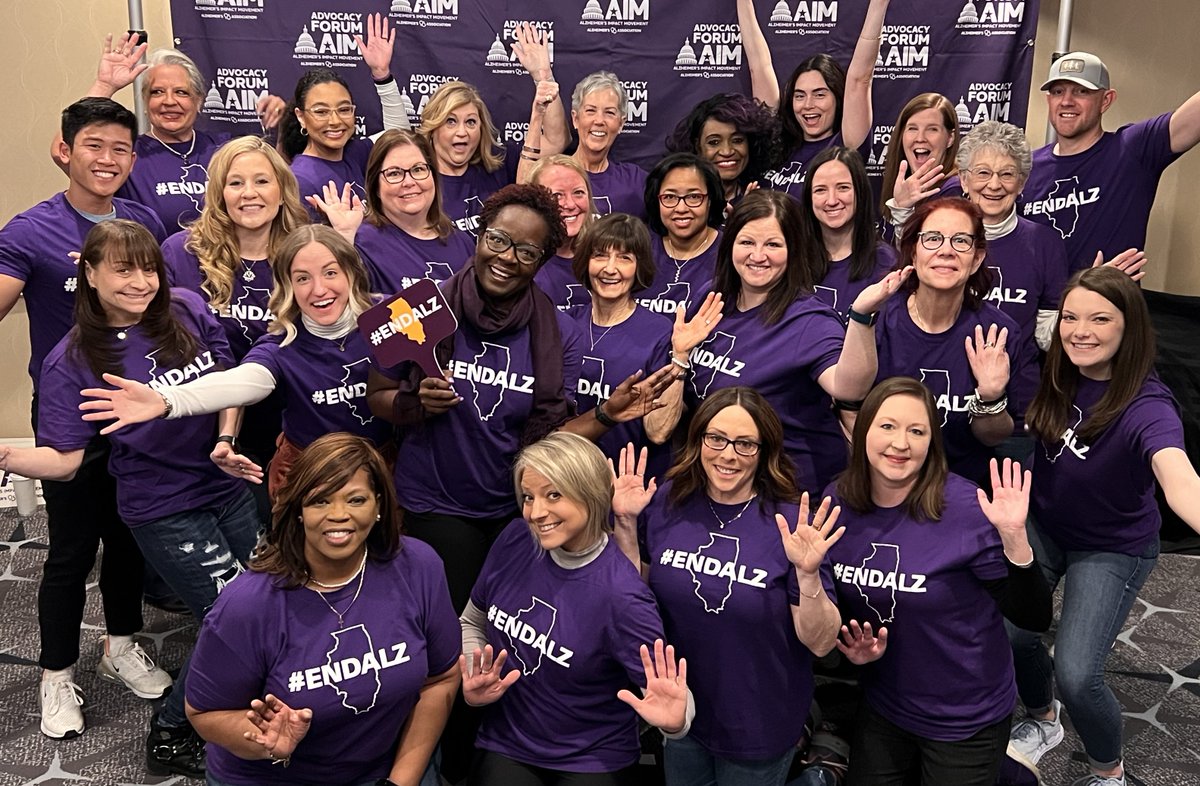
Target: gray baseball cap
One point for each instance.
(1082, 68)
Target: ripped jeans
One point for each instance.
(197, 553)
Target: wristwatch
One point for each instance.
(863, 319)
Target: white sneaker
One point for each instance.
(134, 669)
(1031, 739)
(1092, 779)
(60, 701)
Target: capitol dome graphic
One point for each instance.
(305, 45)
(963, 112)
(497, 54)
(969, 15)
(592, 12)
(401, 7)
(213, 99)
(781, 13)
(407, 105)
(687, 55)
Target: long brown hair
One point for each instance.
(797, 278)
(927, 498)
(436, 218)
(92, 338)
(775, 477)
(895, 148)
(1131, 365)
(322, 469)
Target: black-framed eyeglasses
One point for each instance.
(344, 111)
(395, 174)
(694, 199)
(498, 241)
(742, 447)
(932, 241)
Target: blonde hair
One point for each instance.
(451, 96)
(213, 236)
(578, 470)
(567, 162)
(283, 298)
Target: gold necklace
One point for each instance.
(362, 574)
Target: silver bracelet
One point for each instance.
(977, 408)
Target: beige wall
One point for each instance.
(51, 48)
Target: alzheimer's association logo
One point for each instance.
(991, 17)
(408, 326)
(228, 9)
(500, 59)
(328, 40)
(615, 16)
(810, 17)
(712, 50)
(903, 52)
(234, 93)
(984, 101)
(424, 13)
(421, 88)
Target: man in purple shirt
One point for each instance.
(1096, 187)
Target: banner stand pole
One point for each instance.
(1062, 45)
(137, 25)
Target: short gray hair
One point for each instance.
(1001, 137)
(600, 80)
(173, 57)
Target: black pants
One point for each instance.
(884, 754)
(492, 769)
(81, 513)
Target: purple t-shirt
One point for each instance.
(463, 195)
(948, 671)
(789, 176)
(610, 354)
(313, 174)
(839, 292)
(324, 385)
(435, 471)
(940, 361)
(171, 178)
(621, 188)
(678, 284)
(725, 594)
(360, 679)
(246, 316)
(396, 260)
(1100, 199)
(556, 279)
(574, 635)
(161, 466)
(35, 247)
(1100, 497)
(782, 362)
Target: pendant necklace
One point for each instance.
(592, 329)
(679, 263)
(248, 275)
(172, 150)
(361, 573)
(722, 522)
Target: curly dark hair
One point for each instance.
(291, 141)
(536, 198)
(752, 118)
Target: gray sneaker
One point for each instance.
(1092, 779)
(1031, 739)
(60, 702)
(134, 669)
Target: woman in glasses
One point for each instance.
(686, 211)
(941, 331)
(708, 543)
(567, 181)
(406, 235)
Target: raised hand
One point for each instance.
(544, 95)
(860, 645)
(235, 464)
(119, 64)
(344, 210)
(921, 184)
(873, 297)
(481, 681)
(529, 45)
(664, 701)
(377, 49)
(128, 402)
(636, 397)
(988, 356)
(631, 492)
(807, 545)
(1009, 506)
(269, 109)
(687, 334)
(1130, 261)
(279, 727)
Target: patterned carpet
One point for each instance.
(1154, 668)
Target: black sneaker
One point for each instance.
(174, 751)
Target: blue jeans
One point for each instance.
(198, 552)
(688, 763)
(1100, 589)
